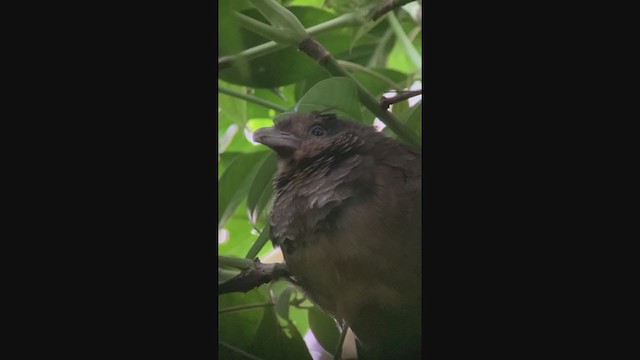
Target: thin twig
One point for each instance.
(358, 67)
(245, 307)
(385, 7)
(351, 19)
(253, 99)
(239, 351)
(316, 51)
(385, 102)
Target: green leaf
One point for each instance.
(259, 243)
(413, 118)
(232, 109)
(281, 18)
(271, 342)
(261, 188)
(324, 328)
(282, 304)
(239, 328)
(285, 66)
(235, 182)
(338, 94)
(375, 85)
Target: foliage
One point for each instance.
(271, 321)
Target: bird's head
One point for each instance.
(306, 137)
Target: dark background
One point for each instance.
(121, 159)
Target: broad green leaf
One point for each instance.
(228, 25)
(272, 343)
(338, 94)
(239, 328)
(324, 328)
(381, 52)
(224, 160)
(286, 66)
(413, 118)
(261, 187)
(232, 109)
(282, 303)
(377, 86)
(242, 236)
(235, 183)
(256, 111)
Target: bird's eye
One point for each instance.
(317, 131)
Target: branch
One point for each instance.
(404, 95)
(385, 7)
(358, 67)
(253, 276)
(316, 51)
(245, 307)
(253, 99)
(411, 51)
(350, 19)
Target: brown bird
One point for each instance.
(347, 215)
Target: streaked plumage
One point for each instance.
(347, 214)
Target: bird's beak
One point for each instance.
(281, 142)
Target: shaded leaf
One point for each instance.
(286, 66)
(271, 342)
(282, 303)
(338, 94)
(377, 86)
(324, 328)
(234, 183)
(239, 328)
(261, 188)
(413, 118)
(258, 245)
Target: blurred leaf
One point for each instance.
(224, 160)
(413, 118)
(258, 245)
(324, 329)
(261, 188)
(282, 304)
(400, 107)
(228, 25)
(288, 65)
(256, 111)
(234, 183)
(271, 342)
(345, 6)
(239, 328)
(366, 28)
(375, 85)
(381, 52)
(338, 94)
(232, 109)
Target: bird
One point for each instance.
(347, 215)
